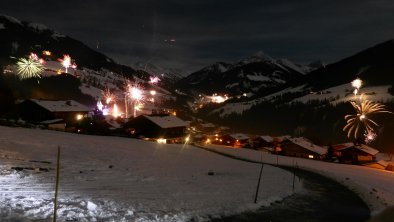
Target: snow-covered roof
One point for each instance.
(239, 136)
(61, 105)
(305, 143)
(111, 121)
(361, 147)
(51, 121)
(167, 121)
(268, 139)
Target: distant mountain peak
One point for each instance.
(10, 19)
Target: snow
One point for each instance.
(91, 90)
(344, 93)
(38, 27)
(268, 139)
(287, 90)
(239, 136)
(361, 147)
(222, 68)
(259, 78)
(237, 108)
(167, 121)
(229, 86)
(61, 106)
(374, 186)
(57, 35)
(293, 66)
(12, 19)
(2, 26)
(121, 179)
(51, 121)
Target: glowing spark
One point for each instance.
(153, 92)
(105, 111)
(100, 106)
(369, 136)
(357, 83)
(66, 62)
(28, 68)
(139, 106)
(355, 123)
(135, 93)
(108, 96)
(154, 80)
(115, 111)
(46, 52)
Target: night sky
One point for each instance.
(190, 34)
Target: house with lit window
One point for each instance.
(168, 128)
(235, 140)
(301, 147)
(355, 153)
(36, 111)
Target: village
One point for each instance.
(163, 126)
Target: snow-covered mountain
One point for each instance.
(167, 75)
(95, 71)
(257, 75)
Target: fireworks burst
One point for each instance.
(361, 120)
(154, 80)
(67, 62)
(29, 68)
(357, 83)
(369, 136)
(135, 94)
(108, 96)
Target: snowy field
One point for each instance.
(375, 187)
(122, 179)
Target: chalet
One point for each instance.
(236, 140)
(167, 127)
(354, 153)
(34, 110)
(262, 141)
(301, 147)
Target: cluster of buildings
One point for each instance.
(166, 128)
(349, 153)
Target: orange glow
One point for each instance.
(46, 52)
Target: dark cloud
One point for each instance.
(215, 30)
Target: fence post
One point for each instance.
(258, 183)
(293, 175)
(57, 184)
